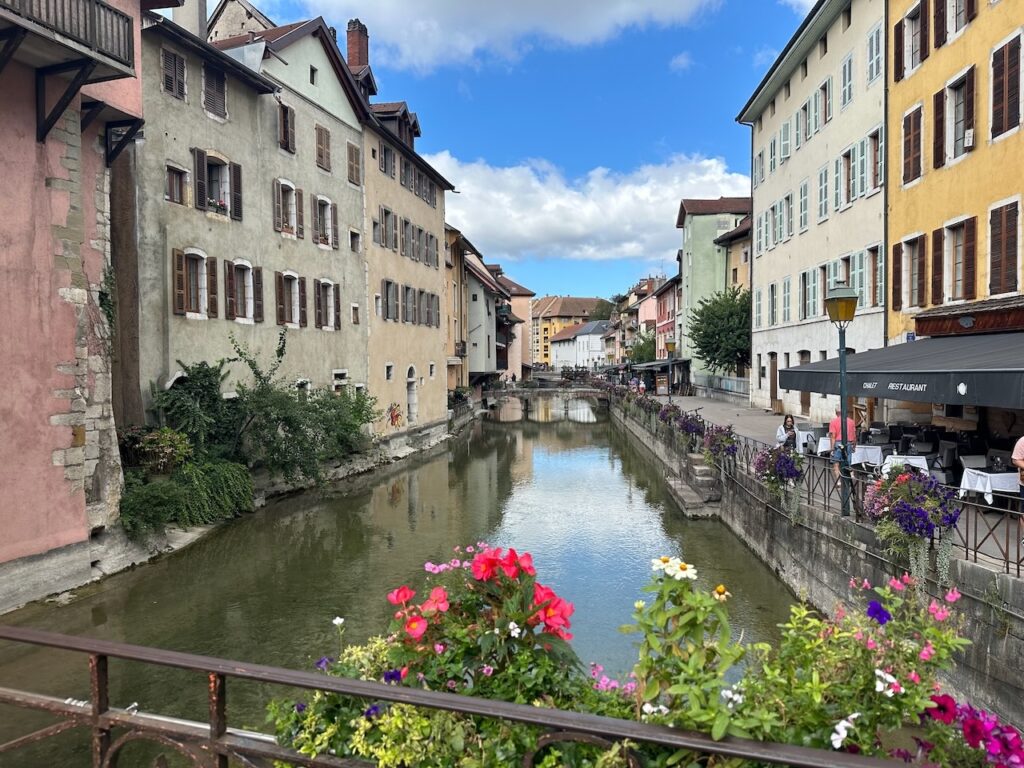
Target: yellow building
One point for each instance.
(955, 157)
(552, 314)
(455, 313)
(736, 243)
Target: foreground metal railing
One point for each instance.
(213, 743)
(93, 23)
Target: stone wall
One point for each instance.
(818, 552)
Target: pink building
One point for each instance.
(59, 466)
(665, 329)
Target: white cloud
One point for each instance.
(533, 210)
(681, 62)
(424, 35)
(763, 57)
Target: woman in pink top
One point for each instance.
(835, 432)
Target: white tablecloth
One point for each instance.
(987, 482)
(866, 454)
(824, 444)
(920, 462)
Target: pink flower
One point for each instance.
(470, 549)
(840, 612)
(871, 644)
(927, 652)
(914, 677)
(415, 627)
(401, 595)
(853, 583)
(437, 602)
(452, 685)
(438, 648)
(865, 584)
(939, 612)
(487, 670)
(952, 596)
(896, 584)
(429, 567)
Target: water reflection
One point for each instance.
(265, 588)
(545, 409)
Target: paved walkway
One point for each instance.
(749, 422)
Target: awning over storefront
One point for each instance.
(966, 370)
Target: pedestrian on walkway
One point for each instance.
(785, 436)
(835, 432)
(1017, 457)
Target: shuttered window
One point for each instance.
(236, 191)
(215, 99)
(323, 147)
(354, 164)
(912, 146)
(938, 255)
(173, 73)
(1006, 88)
(1003, 249)
(286, 128)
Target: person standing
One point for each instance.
(1017, 457)
(785, 435)
(835, 432)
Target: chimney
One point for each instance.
(358, 44)
(334, 33)
(191, 16)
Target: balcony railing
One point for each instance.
(92, 23)
(460, 349)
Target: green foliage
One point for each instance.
(147, 508)
(215, 490)
(340, 417)
(602, 310)
(643, 350)
(107, 297)
(194, 404)
(720, 330)
(163, 450)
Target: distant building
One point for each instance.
(520, 352)
(485, 298)
(456, 308)
(737, 254)
(579, 345)
(552, 314)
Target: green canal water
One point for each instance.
(570, 489)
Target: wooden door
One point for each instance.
(805, 397)
(773, 359)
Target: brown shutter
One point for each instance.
(337, 307)
(178, 267)
(971, 7)
(939, 129)
(229, 289)
(996, 246)
(179, 73)
(940, 23)
(384, 299)
(908, 148)
(970, 259)
(257, 294)
(938, 254)
(969, 105)
(999, 91)
(318, 305)
(1010, 250)
(327, 149)
(897, 276)
(925, 21)
(282, 126)
(211, 286)
(291, 130)
(897, 52)
(335, 243)
(1013, 84)
(278, 207)
(922, 263)
(320, 146)
(918, 150)
(302, 302)
(279, 295)
(236, 191)
(168, 64)
(199, 179)
(315, 223)
(300, 213)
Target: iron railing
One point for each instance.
(212, 743)
(93, 23)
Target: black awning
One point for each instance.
(966, 370)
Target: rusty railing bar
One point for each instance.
(36, 736)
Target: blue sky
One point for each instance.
(572, 128)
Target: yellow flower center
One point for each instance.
(665, 559)
(684, 567)
(720, 589)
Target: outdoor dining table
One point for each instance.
(866, 454)
(921, 462)
(982, 481)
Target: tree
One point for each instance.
(602, 310)
(720, 330)
(643, 348)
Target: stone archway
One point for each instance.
(411, 396)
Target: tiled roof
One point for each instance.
(710, 207)
(515, 288)
(566, 334)
(564, 306)
(267, 35)
(973, 307)
(385, 107)
(741, 232)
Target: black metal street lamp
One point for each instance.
(841, 306)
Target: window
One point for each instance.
(825, 101)
(913, 253)
(195, 284)
(195, 276)
(288, 215)
(771, 155)
(323, 148)
(214, 91)
(174, 185)
(759, 242)
(286, 128)
(432, 370)
(1006, 88)
(823, 46)
(837, 185)
(804, 202)
(217, 186)
(1003, 249)
(339, 380)
(326, 305)
(312, 75)
(322, 220)
(780, 221)
(823, 193)
(784, 142)
(787, 90)
(735, 275)
(875, 47)
(788, 211)
(354, 164)
(876, 263)
(808, 294)
(850, 168)
(803, 69)
(173, 73)
(912, 146)
(805, 122)
(760, 166)
(355, 314)
(388, 236)
(957, 96)
(857, 269)
(757, 308)
(846, 90)
(876, 146)
(771, 109)
(354, 241)
(916, 45)
(389, 292)
(386, 159)
(291, 298)
(389, 372)
(773, 318)
(954, 243)
(798, 128)
(243, 292)
(787, 285)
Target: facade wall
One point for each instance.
(589, 350)
(249, 137)
(666, 322)
(483, 356)
(547, 327)
(456, 317)
(235, 20)
(737, 269)
(395, 346)
(801, 256)
(966, 187)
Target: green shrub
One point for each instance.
(148, 508)
(214, 490)
(195, 405)
(163, 450)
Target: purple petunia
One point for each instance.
(393, 676)
(300, 707)
(878, 613)
(323, 663)
(372, 711)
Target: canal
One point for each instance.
(571, 490)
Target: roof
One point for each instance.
(985, 369)
(157, 24)
(667, 285)
(564, 306)
(268, 35)
(514, 288)
(566, 334)
(591, 328)
(711, 207)
(249, 7)
(741, 232)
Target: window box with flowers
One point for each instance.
(217, 206)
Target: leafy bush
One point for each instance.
(148, 508)
(215, 490)
(163, 450)
(194, 404)
(779, 468)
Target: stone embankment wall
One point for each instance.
(818, 552)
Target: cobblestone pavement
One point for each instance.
(749, 422)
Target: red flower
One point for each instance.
(415, 627)
(437, 602)
(554, 612)
(402, 595)
(974, 732)
(510, 564)
(486, 563)
(526, 564)
(944, 710)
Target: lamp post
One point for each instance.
(841, 305)
(670, 347)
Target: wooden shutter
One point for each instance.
(995, 246)
(384, 299)
(1013, 84)
(303, 320)
(167, 61)
(229, 289)
(922, 264)
(916, 148)
(211, 286)
(403, 292)
(315, 218)
(897, 51)
(999, 91)
(353, 164)
(257, 294)
(908, 148)
(199, 179)
(1010, 251)
(971, 8)
(279, 295)
(300, 213)
(940, 23)
(178, 267)
(925, 22)
(236, 191)
(337, 306)
(335, 243)
(282, 126)
(215, 91)
(278, 207)
(327, 149)
(179, 75)
(318, 305)
(970, 258)
(897, 276)
(321, 153)
(938, 254)
(939, 129)
(969, 105)
(394, 300)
